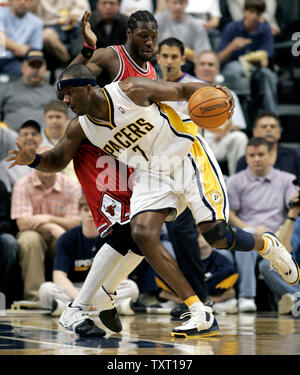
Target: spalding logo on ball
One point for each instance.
(208, 108)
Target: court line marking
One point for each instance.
(129, 337)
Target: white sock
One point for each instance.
(129, 262)
(126, 265)
(105, 262)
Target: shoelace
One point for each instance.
(112, 296)
(190, 313)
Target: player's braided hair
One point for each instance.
(140, 16)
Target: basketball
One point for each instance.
(208, 108)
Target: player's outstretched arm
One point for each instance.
(96, 59)
(55, 159)
(141, 90)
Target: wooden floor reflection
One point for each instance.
(23, 333)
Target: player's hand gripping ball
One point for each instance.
(208, 107)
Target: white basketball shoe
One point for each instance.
(201, 323)
(281, 260)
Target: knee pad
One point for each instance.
(237, 239)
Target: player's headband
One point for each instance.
(75, 82)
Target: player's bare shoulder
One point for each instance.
(105, 59)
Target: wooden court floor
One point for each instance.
(34, 333)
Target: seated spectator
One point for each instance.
(285, 295)
(61, 25)
(245, 50)
(220, 278)
(108, 23)
(44, 205)
(175, 21)
(56, 121)
(209, 14)
(9, 251)
(130, 6)
(227, 142)
(267, 125)
(29, 135)
(7, 141)
(22, 31)
(26, 98)
(259, 199)
(236, 8)
(74, 254)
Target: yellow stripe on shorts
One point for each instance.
(185, 127)
(211, 187)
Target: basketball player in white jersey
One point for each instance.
(128, 121)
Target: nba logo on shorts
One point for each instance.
(122, 110)
(2, 304)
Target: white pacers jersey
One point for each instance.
(174, 167)
(145, 138)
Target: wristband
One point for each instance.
(291, 218)
(89, 46)
(35, 162)
(87, 51)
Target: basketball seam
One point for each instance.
(205, 102)
(218, 114)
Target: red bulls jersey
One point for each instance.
(128, 68)
(106, 186)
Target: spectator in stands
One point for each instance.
(9, 249)
(61, 25)
(228, 142)
(267, 125)
(29, 135)
(130, 6)
(258, 197)
(108, 23)
(44, 205)
(245, 50)
(236, 8)
(7, 141)
(175, 21)
(74, 254)
(209, 14)
(285, 295)
(26, 98)
(56, 121)
(22, 31)
(220, 278)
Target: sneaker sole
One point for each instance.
(295, 263)
(212, 331)
(111, 320)
(196, 335)
(298, 276)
